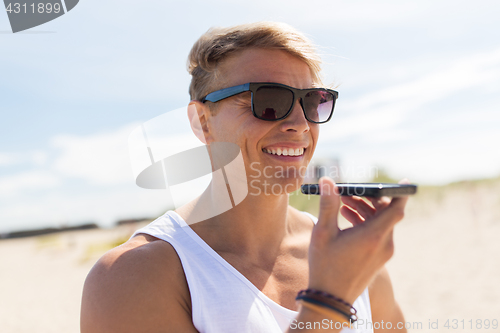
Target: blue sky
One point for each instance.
(418, 84)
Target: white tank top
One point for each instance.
(222, 299)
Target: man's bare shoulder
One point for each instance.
(138, 286)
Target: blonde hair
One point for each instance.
(218, 43)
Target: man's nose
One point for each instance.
(296, 120)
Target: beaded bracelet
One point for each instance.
(324, 311)
(335, 306)
(326, 307)
(327, 295)
(329, 301)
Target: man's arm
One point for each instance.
(137, 287)
(384, 306)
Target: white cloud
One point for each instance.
(37, 157)
(99, 158)
(105, 158)
(386, 108)
(27, 181)
(479, 69)
(6, 159)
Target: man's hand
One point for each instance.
(343, 262)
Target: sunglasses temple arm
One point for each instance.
(225, 93)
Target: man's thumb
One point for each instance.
(329, 203)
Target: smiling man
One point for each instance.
(257, 86)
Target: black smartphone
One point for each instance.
(366, 189)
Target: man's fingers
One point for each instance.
(350, 215)
(394, 211)
(390, 215)
(380, 203)
(329, 204)
(359, 205)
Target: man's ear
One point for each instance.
(198, 114)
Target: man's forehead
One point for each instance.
(263, 65)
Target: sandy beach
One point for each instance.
(447, 260)
(446, 266)
(42, 277)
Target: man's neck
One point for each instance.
(257, 228)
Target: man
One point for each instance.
(240, 271)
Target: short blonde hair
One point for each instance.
(218, 43)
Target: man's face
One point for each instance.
(234, 121)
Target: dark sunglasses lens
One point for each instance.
(272, 103)
(318, 105)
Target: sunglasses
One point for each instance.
(275, 101)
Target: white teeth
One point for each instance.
(285, 151)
